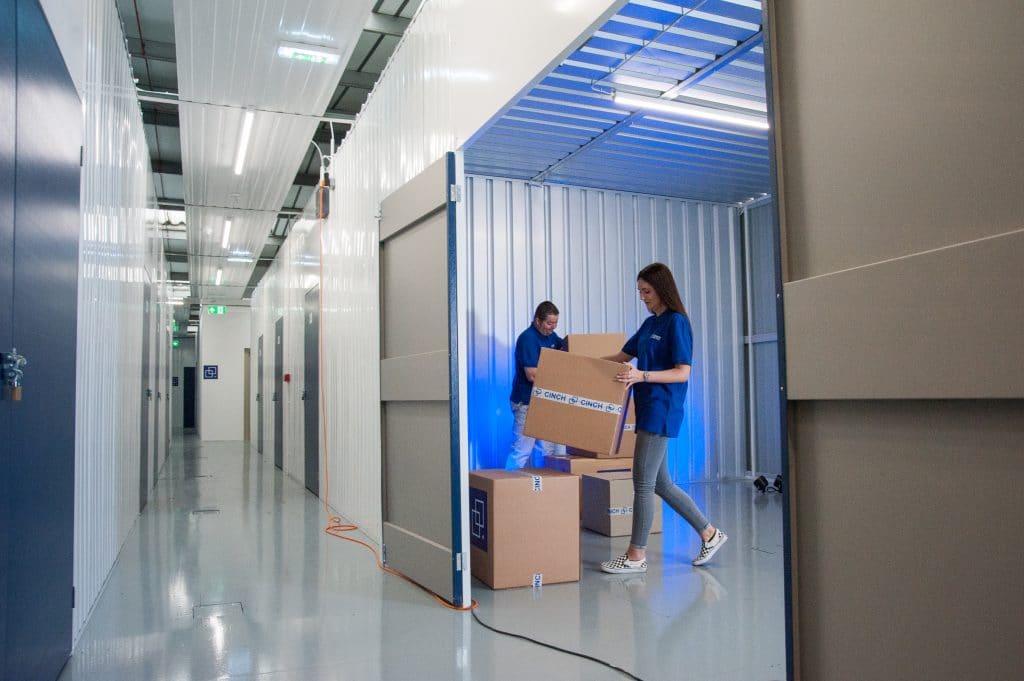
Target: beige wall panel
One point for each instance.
(910, 530)
(901, 124)
(947, 323)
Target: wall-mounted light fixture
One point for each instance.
(687, 110)
(220, 274)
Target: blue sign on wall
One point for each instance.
(210, 371)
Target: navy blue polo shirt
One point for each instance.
(527, 355)
(662, 342)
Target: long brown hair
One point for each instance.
(659, 276)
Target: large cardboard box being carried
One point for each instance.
(523, 527)
(605, 345)
(608, 504)
(577, 401)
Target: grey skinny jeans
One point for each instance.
(650, 477)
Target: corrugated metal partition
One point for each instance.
(581, 248)
(761, 339)
(447, 78)
(119, 255)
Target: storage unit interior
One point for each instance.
(650, 142)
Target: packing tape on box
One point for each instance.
(628, 427)
(577, 401)
(620, 510)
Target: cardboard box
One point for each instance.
(577, 401)
(627, 441)
(595, 344)
(608, 504)
(578, 465)
(603, 345)
(524, 528)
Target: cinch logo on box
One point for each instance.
(620, 510)
(478, 518)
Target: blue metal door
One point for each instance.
(40, 133)
(311, 389)
(260, 394)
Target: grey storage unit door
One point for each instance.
(423, 474)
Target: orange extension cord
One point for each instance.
(335, 526)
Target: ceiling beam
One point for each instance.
(386, 24)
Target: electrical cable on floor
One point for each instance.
(554, 647)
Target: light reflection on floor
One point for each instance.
(251, 588)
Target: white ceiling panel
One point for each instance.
(228, 64)
(210, 140)
(227, 51)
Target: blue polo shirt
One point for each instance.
(527, 355)
(662, 342)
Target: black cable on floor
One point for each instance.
(554, 647)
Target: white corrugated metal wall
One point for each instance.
(446, 80)
(120, 251)
(582, 248)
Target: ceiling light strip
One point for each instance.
(243, 142)
(691, 111)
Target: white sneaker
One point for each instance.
(710, 547)
(623, 564)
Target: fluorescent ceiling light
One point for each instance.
(238, 258)
(220, 274)
(243, 141)
(314, 54)
(227, 233)
(174, 301)
(691, 111)
(192, 328)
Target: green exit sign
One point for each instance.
(217, 309)
(175, 343)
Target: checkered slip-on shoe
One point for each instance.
(710, 547)
(623, 564)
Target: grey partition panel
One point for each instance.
(146, 397)
(278, 398)
(947, 323)
(423, 471)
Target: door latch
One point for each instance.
(12, 374)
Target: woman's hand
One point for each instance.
(629, 374)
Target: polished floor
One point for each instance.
(229, 575)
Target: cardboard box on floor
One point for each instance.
(524, 528)
(577, 401)
(604, 345)
(608, 504)
(578, 465)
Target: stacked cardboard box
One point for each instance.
(608, 504)
(578, 465)
(523, 527)
(577, 401)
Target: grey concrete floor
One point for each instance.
(229, 575)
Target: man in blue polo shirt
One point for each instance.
(540, 334)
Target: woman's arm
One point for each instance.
(680, 373)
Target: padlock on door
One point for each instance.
(12, 374)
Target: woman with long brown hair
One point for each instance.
(663, 348)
